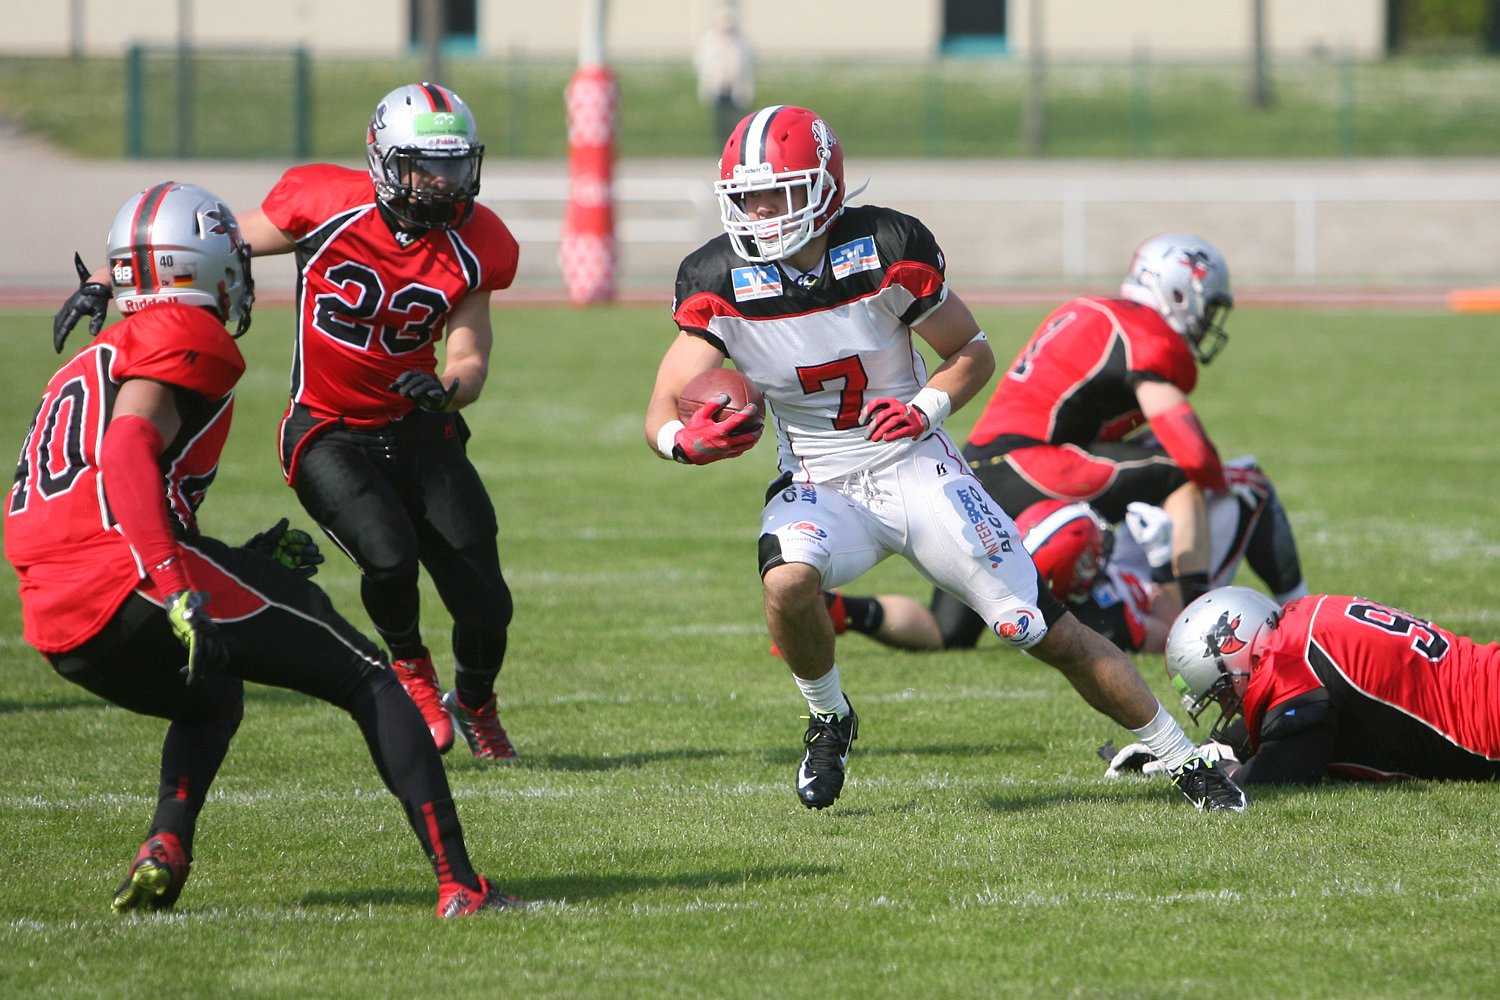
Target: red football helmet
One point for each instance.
(1068, 542)
(786, 149)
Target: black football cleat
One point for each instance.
(820, 776)
(1208, 788)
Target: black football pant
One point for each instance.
(406, 495)
(296, 641)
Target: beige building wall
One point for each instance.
(654, 29)
(1174, 29)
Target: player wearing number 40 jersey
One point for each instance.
(1338, 685)
(819, 304)
(128, 599)
(389, 263)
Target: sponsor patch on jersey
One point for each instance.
(1019, 627)
(990, 535)
(810, 529)
(1104, 595)
(755, 283)
(854, 257)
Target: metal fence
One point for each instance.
(191, 103)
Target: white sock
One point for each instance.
(1166, 739)
(825, 694)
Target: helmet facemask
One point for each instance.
(1222, 692)
(808, 197)
(430, 189)
(423, 157)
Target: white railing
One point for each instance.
(1408, 223)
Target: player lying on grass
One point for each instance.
(1333, 686)
(124, 596)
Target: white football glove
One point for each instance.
(1132, 759)
(1137, 758)
(1151, 527)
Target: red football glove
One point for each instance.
(888, 419)
(704, 439)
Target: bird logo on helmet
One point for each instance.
(1185, 279)
(177, 242)
(1220, 640)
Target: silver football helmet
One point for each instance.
(1184, 278)
(179, 243)
(1210, 646)
(424, 156)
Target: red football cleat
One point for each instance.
(458, 900)
(420, 681)
(481, 728)
(156, 876)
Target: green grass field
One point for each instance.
(977, 851)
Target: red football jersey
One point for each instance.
(1383, 665)
(373, 301)
(74, 564)
(1074, 380)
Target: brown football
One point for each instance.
(721, 381)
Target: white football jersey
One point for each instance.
(821, 352)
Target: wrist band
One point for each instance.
(666, 438)
(935, 403)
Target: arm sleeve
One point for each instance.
(1296, 743)
(1182, 434)
(133, 485)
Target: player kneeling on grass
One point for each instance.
(818, 305)
(126, 599)
(1333, 686)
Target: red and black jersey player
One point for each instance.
(126, 598)
(389, 262)
(1336, 685)
(1061, 423)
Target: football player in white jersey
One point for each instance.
(817, 303)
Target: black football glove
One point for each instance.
(91, 299)
(292, 547)
(207, 653)
(425, 389)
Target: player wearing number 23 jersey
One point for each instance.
(390, 262)
(372, 300)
